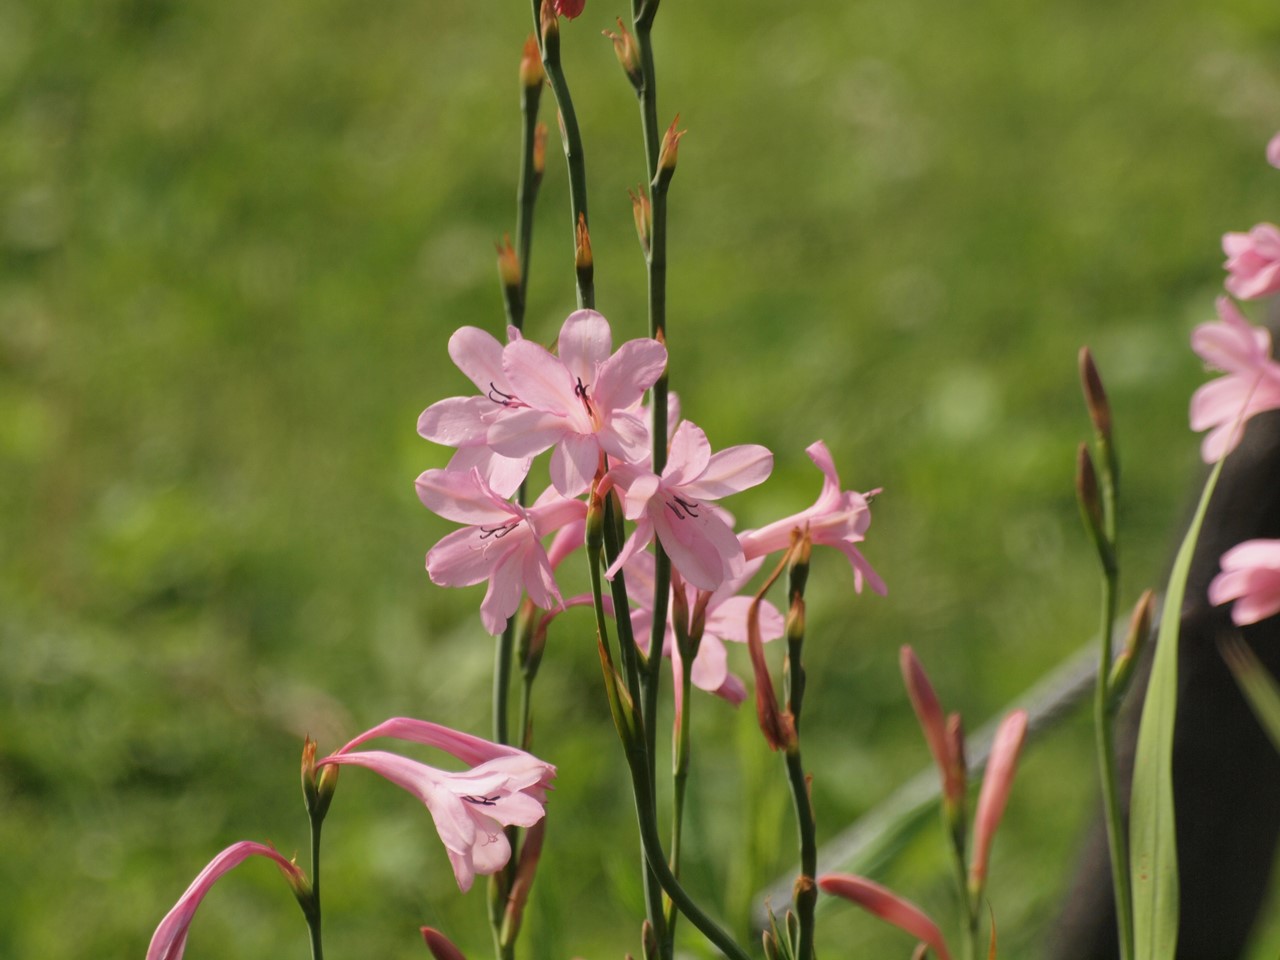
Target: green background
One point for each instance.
(234, 239)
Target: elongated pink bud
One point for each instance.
(995, 793)
(888, 906)
(934, 724)
(441, 947)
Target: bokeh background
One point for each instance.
(234, 239)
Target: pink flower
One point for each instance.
(504, 787)
(170, 938)
(726, 619)
(674, 506)
(582, 402)
(463, 422)
(1273, 151)
(1251, 577)
(1251, 384)
(1253, 261)
(888, 906)
(995, 793)
(502, 543)
(569, 9)
(839, 518)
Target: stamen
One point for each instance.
(506, 399)
(580, 391)
(483, 801)
(498, 532)
(690, 508)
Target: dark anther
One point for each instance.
(580, 390)
(497, 396)
(497, 533)
(690, 508)
(483, 801)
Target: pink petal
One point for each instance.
(526, 433)
(462, 558)
(503, 474)
(623, 378)
(463, 498)
(731, 471)
(690, 453)
(1273, 151)
(728, 620)
(701, 546)
(585, 342)
(478, 354)
(458, 421)
(574, 463)
(888, 906)
(995, 791)
(539, 378)
(469, 749)
(711, 665)
(170, 939)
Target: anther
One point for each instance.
(497, 396)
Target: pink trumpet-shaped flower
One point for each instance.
(502, 543)
(888, 906)
(1253, 261)
(995, 793)
(464, 422)
(170, 938)
(675, 507)
(839, 518)
(505, 787)
(582, 401)
(725, 620)
(1251, 577)
(1251, 385)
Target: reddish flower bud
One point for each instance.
(670, 151)
(531, 72)
(995, 793)
(569, 9)
(508, 263)
(441, 947)
(624, 48)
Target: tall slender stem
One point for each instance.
(313, 914)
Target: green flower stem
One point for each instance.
(1104, 703)
(526, 197)
(806, 892)
(313, 914)
(572, 140)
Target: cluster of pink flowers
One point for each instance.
(1251, 385)
(584, 403)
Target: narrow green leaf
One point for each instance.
(1258, 686)
(1153, 853)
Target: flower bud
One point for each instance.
(549, 27)
(441, 947)
(624, 48)
(531, 72)
(995, 793)
(642, 211)
(1095, 397)
(582, 259)
(569, 9)
(309, 792)
(539, 152)
(1090, 499)
(648, 940)
(508, 263)
(1135, 640)
(670, 151)
(526, 867)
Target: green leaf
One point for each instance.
(1153, 853)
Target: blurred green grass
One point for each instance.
(234, 239)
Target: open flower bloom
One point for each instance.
(505, 787)
(888, 906)
(1251, 385)
(726, 619)
(1253, 261)
(675, 507)
(1251, 577)
(463, 422)
(995, 793)
(170, 938)
(502, 543)
(584, 401)
(839, 518)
